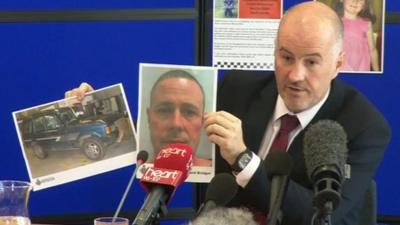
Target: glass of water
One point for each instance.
(14, 198)
(109, 221)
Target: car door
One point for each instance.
(46, 130)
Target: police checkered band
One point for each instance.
(244, 65)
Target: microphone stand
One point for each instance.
(323, 217)
(275, 215)
(153, 207)
(128, 187)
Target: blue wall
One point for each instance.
(40, 61)
(382, 90)
(90, 4)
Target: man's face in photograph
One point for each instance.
(175, 114)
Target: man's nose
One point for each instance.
(177, 119)
(297, 72)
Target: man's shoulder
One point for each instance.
(353, 98)
(358, 109)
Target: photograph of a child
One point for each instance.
(226, 8)
(363, 33)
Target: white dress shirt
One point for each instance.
(272, 129)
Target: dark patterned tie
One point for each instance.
(288, 124)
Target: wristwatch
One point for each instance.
(242, 161)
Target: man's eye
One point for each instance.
(189, 113)
(311, 62)
(163, 111)
(287, 58)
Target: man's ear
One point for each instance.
(339, 62)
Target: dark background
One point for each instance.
(48, 47)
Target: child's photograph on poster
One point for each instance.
(363, 23)
(70, 139)
(226, 8)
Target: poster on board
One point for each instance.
(244, 33)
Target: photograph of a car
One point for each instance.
(70, 139)
(62, 129)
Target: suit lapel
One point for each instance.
(327, 111)
(258, 115)
(332, 105)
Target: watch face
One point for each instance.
(244, 160)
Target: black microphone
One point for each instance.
(220, 191)
(141, 158)
(325, 153)
(278, 165)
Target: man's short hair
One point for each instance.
(176, 74)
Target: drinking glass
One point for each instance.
(108, 221)
(14, 198)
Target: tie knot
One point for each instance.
(289, 123)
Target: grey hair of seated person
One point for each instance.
(225, 216)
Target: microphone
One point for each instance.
(325, 153)
(141, 158)
(278, 165)
(220, 191)
(225, 216)
(171, 168)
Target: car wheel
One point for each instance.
(93, 148)
(39, 151)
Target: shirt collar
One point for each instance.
(304, 117)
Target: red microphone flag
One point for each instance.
(171, 168)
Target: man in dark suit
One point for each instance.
(308, 56)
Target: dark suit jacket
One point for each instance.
(251, 96)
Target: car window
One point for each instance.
(51, 122)
(38, 125)
(27, 128)
(66, 115)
